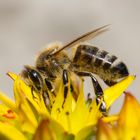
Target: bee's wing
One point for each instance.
(84, 37)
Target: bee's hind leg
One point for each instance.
(98, 91)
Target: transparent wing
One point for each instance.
(84, 37)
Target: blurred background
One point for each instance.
(26, 26)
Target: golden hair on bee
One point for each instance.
(49, 48)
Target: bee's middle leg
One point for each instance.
(98, 91)
(65, 82)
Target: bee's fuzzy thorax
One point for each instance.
(48, 48)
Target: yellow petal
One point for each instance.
(57, 106)
(61, 111)
(7, 115)
(73, 116)
(110, 119)
(12, 75)
(50, 130)
(37, 101)
(64, 115)
(105, 132)
(24, 110)
(3, 109)
(9, 132)
(20, 86)
(87, 133)
(79, 115)
(7, 101)
(129, 118)
(112, 93)
(94, 113)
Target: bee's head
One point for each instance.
(32, 78)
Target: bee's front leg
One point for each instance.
(46, 95)
(50, 87)
(98, 91)
(32, 91)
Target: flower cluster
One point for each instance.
(28, 118)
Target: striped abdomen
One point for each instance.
(92, 59)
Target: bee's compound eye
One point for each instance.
(35, 78)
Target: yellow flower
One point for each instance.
(126, 126)
(28, 118)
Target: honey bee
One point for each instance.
(87, 60)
